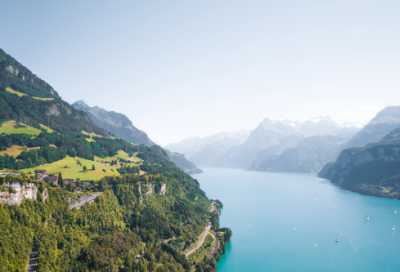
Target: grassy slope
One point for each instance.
(15, 150)
(121, 154)
(8, 128)
(75, 170)
(8, 89)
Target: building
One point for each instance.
(53, 179)
(66, 181)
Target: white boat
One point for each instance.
(249, 226)
(294, 229)
(395, 211)
(315, 245)
(368, 218)
(393, 228)
(337, 240)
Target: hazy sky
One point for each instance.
(194, 68)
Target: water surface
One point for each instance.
(263, 208)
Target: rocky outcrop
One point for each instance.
(163, 189)
(17, 192)
(53, 110)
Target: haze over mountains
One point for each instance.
(269, 138)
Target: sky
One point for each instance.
(182, 69)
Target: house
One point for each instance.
(42, 171)
(105, 162)
(66, 181)
(40, 176)
(52, 179)
(87, 183)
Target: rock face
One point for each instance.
(182, 163)
(308, 155)
(116, 123)
(21, 191)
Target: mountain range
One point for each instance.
(269, 138)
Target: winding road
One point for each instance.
(209, 256)
(196, 247)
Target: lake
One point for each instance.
(263, 208)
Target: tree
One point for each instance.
(93, 167)
(60, 180)
(84, 168)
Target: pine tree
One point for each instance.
(60, 180)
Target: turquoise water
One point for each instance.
(275, 203)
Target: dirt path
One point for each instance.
(84, 200)
(196, 247)
(209, 256)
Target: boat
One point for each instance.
(393, 228)
(294, 229)
(337, 240)
(368, 218)
(249, 226)
(315, 245)
(395, 211)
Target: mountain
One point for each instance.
(322, 125)
(287, 142)
(384, 122)
(120, 126)
(24, 97)
(183, 164)
(137, 211)
(266, 134)
(269, 134)
(202, 151)
(116, 123)
(308, 155)
(373, 169)
(348, 132)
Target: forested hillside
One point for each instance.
(149, 213)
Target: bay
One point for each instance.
(262, 209)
